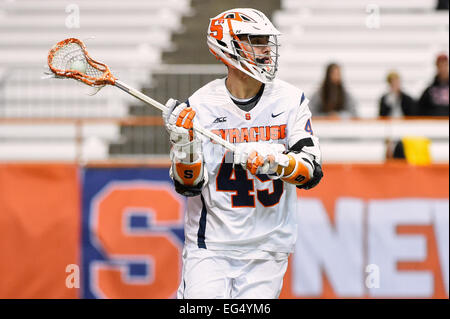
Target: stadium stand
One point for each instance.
(159, 46)
(129, 37)
(187, 66)
(367, 38)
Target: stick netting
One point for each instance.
(70, 52)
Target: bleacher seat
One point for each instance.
(36, 131)
(365, 140)
(97, 6)
(407, 39)
(418, 21)
(47, 150)
(128, 36)
(357, 5)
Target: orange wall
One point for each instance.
(40, 222)
(364, 182)
(39, 229)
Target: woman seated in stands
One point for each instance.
(434, 100)
(396, 103)
(332, 99)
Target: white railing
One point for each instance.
(88, 139)
(56, 120)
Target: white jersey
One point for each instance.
(236, 210)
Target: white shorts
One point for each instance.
(209, 274)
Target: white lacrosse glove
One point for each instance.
(261, 158)
(178, 119)
(187, 170)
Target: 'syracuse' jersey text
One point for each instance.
(236, 210)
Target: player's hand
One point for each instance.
(260, 158)
(179, 121)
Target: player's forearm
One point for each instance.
(189, 174)
(187, 163)
(189, 177)
(299, 170)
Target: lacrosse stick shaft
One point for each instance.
(148, 100)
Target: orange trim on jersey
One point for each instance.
(244, 135)
(234, 135)
(188, 172)
(221, 133)
(275, 132)
(263, 137)
(278, 132)
(282, 131)
(253, 134)
(296, 173)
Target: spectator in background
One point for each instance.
(332, 99)
(434, 100)
(442, 5)
(396, 103)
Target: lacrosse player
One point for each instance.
(240, 222)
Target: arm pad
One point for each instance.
(317, 176)
(188, 177)
(188, 191)
(310, 147)
(299, 170)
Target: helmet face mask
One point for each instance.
(260, 51)
(246, 40)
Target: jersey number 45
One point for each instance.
(235, 180)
